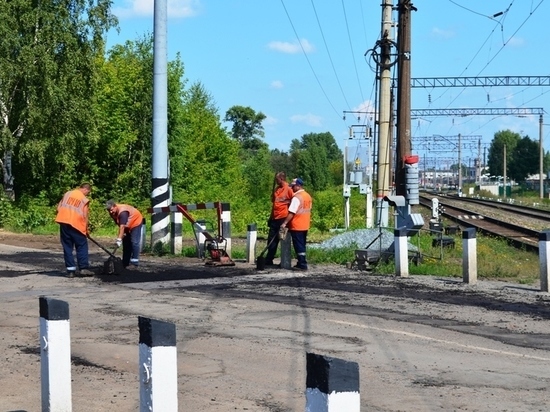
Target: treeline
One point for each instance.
(73, 111)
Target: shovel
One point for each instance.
(113, 265)
(260, 260)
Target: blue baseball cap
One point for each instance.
(297, 181)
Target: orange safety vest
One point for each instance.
(134, 220)
(281, 201)
(302, 218)
(72, 210)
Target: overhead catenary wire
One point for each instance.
(506, 41)
(352, 53)
(308, 60)
(329, 55)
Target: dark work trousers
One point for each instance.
(274, 226)
(131, 246)
(72, 239)
(299, 238)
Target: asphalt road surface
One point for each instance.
(422, 343)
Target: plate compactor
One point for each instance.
(215, 247)
(113, 265)
(217, 254)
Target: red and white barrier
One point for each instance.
(177, 210)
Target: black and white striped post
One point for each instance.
(544, 254)
(176, 232)
(469, 256)
(401, 252)
(251, 239)
(55, 355)
(332, 385)
(143, 239)
(226, 226)
(158, 367)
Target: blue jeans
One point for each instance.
(72, 239)
(299, 238)
(131, 247)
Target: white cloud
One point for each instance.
(270, 120)
(367, 110)
(144, 8)
(277, 84)
(292, 48)
(309, 119)
(516, 42)
(444, 34)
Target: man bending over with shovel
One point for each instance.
(129, 221)
(72, 216)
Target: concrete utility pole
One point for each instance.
(384, 113)
(459, 181)
(160, 195)
(541, 161)
(504, 172)
(403, 148)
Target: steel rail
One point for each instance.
(518, 236)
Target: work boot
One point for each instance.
(86, 272)
(70, 274)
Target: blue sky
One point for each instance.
(302, 62)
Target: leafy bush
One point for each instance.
(6, 210)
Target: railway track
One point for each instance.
(528, 211)
(517, 235)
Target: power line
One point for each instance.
(308, 61)
(329, 55)
(352, 53)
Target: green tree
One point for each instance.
(124, 117)
(47, 82)
(123, 153)
(205, 164)
(316, 157)
(495, 158)
(281, 161)
(525, 159)
(247, 126)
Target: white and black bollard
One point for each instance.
(200, 226)
(226, 226)
(158, 367)
(143, 238)
(332, 385)
(544, 254)
(251, 239)
(176, 233)
(55, 355)
(401, 252)
(469, 256)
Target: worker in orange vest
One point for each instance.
(129, 221)
(72, 216)
(280, 199)
(298, 221)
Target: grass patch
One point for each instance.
(496, 260)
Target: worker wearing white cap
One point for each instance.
(298, 221)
